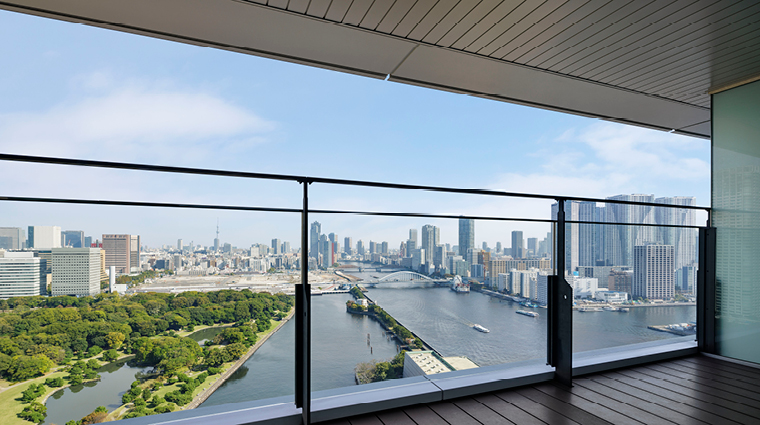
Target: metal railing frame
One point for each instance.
(559, 323)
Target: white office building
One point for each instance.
(76, 271)
(584, 287)
(21, 275)
(44, 237)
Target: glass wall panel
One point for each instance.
(736, 215)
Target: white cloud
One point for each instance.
(128, 123)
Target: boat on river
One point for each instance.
(527, 313)
(480, 328)
(458, 286)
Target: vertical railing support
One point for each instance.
(303, 318)
(706, 291)
(560, 323)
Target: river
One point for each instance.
(444, 319)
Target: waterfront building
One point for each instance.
(542, 287)
(421, 363)
(517, 244)
(12, 238)
(466, 236)
(653, 276)
(686, 279)
(73, 239)
(611, 297)
(123, 252)
(502, 282)
(44, 237)
(76, 271)
(621, 280)
(584, 287)
(472, 256)
(22, 274)
(477, 271)
(372, 247)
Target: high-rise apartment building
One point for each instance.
(73, 239)
(276, 248)
(532, 247)
(684, 241)
(384, 248)
(179, 245)
(431, 237)
(285, 248)
(314, 235)
(122, 252)
(653, 272)
(76, 271)
(518, 246)
(44, 237)
(12, 238)
(498, 247)
(22, 274)
(466, 235)
(360, 247)
(347, 245)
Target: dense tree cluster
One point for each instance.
(357, 293)
(391, 324)
(37, 333)
(352, 306)
(381, 371)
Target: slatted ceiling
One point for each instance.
(659, 36)
(527, 30)
(318, 8)
(696, 32)
(394, 16)
(536, 21)
(413, 17)
(489, 30)
(448, 22)
(432, 19)
(692, 52)
(356, 12)
(706, 73)
(468, 21)
(594, 28)
(627, 48)
(503, 11)
(280, 4)
(298, 6)
(376, 13)
(337, 10)
(521, 47)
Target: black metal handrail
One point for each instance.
(325, 180)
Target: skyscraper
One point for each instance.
(466, 235)
(684, 241)
(518, 246)
(314, 234)
(532, 246)
(44, 237)
(285, 248)
(347, 245)
(179, 245)
(653, 272)
(11, 238)
(276, 248)
(360, 247)
(122, 252)
(498, 247)
(73, 239)
(431, 236)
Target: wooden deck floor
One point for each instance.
(692, 390)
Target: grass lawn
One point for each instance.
(9, 406)
(202, 327)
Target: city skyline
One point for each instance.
(72, 97)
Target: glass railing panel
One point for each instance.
(182, 325)
(457, 313)
(631, 284)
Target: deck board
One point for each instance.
(695, 390)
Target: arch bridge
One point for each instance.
(405, 276)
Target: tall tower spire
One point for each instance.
(216, 240)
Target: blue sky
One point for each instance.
(76, 91)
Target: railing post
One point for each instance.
(706, 291)
(560, 320)
(303, 318)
